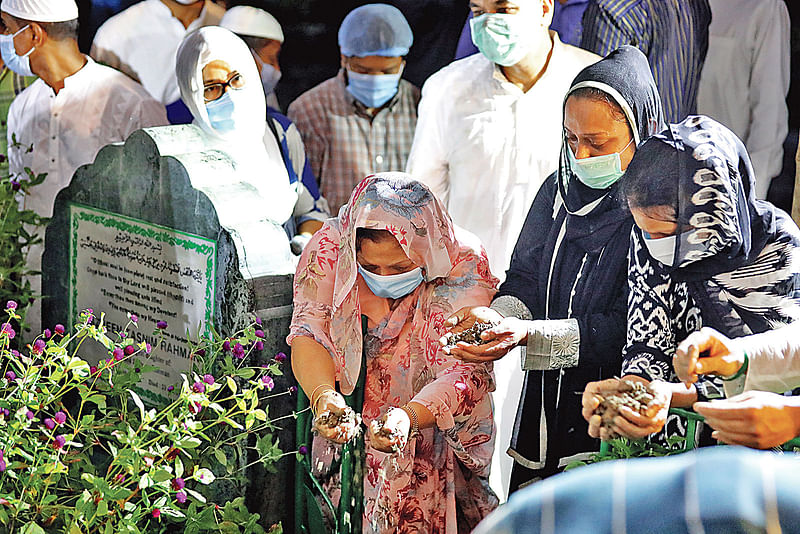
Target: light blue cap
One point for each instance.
(375, 30)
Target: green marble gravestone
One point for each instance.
(165, 228)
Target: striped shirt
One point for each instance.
(673, 34)
(344, 143)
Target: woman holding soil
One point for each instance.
(704, 252)
(394, 256)
(564, 298)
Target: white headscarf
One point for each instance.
(253, 149)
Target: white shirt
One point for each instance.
(142, 41)
(97, 106)
(484, 146)
(773, 362)
(745, 79)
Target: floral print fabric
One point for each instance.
(416, 490)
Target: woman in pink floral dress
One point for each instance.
(395, 239)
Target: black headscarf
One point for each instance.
(704, 170)
(625, 76)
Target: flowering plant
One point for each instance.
(18, 231)
(80, 452)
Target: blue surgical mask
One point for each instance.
(270, 76)
(19, 64)
(222, 112)
(663, 249)
(373, 90)
(598, 172)
(503, 38)
(392, 286)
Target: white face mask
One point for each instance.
(188, 2)
(663, 249)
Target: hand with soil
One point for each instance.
(390, 432)
(480, 334)
(629, 407)
(336, 421)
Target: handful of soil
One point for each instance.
(395, 436)
(634, 395)
(347, 423)
(471, 335)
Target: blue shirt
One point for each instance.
(673, 34)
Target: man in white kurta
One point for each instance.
(142, 41)
(484, 144)
(745, 79)
(75, 108)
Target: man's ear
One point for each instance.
(343, 61)
(547, 12)
(38, 35)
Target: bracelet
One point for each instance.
(313, 403)
(414, 430)
(742, 370)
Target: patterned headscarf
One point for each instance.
(406, 208)
(708, 173)
(455, 269)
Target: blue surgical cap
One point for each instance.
(375, 30)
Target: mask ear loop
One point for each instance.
(679, 229)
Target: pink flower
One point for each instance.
(180, 497)
(93, 369)
(156, 513)
(59, 442)
(49, 423)
(134, 318)
(199, 387)
(7, 330)
(38, 346)
(178, 483)
(60, 330)
(11, 305)
(259, 345)
(280, 357)
(208, 379)
(47, 333)
(130, 349)
(268, 382)
(11, 376)
(161, 325)
(118, 354)
(260, 333)
(60, 418)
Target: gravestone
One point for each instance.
(164, 228)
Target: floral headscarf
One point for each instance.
(455, 268)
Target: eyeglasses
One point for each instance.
(213, 91)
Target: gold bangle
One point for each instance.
(414, 430)
(312, 402)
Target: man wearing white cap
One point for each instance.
(142, 41)
(75, 107)
(263, 34)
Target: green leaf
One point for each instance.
(261, 415)
(188, 443)
(32, 528)
(161, 475)
(220, 456)
(231, 384)
(248, 421)
(102, 508)
(246, 372)
(195, 494)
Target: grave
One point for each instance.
(164, 228)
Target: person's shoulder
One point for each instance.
(30, 94)
(318, 96)
(125, 21)
(467, 69)
(115, 81)
(573, 56)
(621, 8)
